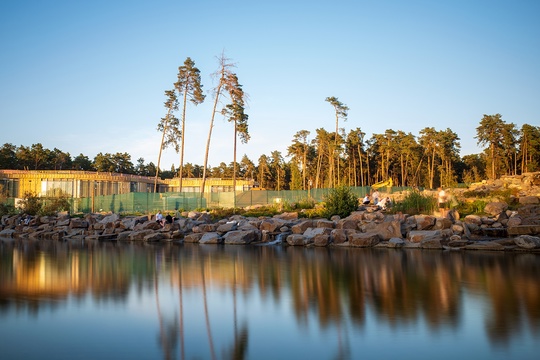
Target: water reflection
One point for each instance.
(340, 289)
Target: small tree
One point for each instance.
(168, 126)
(340, 201)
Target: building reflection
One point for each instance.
(335, 285)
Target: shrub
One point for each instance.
(340, 201)
(53, 205)
(7, 209)
(30, 203)
(475, 207)
(33, 205)
(306, 203)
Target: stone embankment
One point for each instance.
(368, 227)
(499, 229)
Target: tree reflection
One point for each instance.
(335, 287)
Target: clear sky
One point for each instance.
(89, 76)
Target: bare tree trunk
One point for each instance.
(319, 164)
(161, 148)
(218, 91)
(234, 168)
(180, 171)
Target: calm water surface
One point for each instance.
(92, 300)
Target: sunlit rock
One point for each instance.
(211, 238)
(302, 226)
(321, 240)
(364, 239)
(193, 238)
(297, 240)
(495, 208)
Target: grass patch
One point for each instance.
(415, 203)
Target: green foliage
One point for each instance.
(7, 209)
(319, 211)
(34, 205)
(307, 203)
(53, 205)
(31, 203)
(340, 201)
(415, 203)
(475, 207)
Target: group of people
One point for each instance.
(375, 199)
(168, 219)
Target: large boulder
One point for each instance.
(324, 224)
(153, 237)
(298, 240)
(139, 235)
(301, 227)
(364, 239)
(418, 236)
(193, 238)
(347, 223)
(385, 230)
(241, 237)
(528, 242)
(495, 208)
(431, 243)
(228, 226)
(287, 216)
(424, 222)
(211, 238)
(272, 224)
(110, 219)
(203, 228)
(310, 233)
(529, 200)
(321, 240)
(339, 236)
(78, 223)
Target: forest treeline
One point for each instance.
(319, 161)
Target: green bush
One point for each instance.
(31, 203)
(7, 209)
(475, 207)
(307, 203)
(52, 206)
(415, 203)
(340, 201)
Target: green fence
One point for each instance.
(151, 202)
(148, 202)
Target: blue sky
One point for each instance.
(89, 76)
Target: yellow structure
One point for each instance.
(86, 184)
(381, 184)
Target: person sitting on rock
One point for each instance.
(366, 200)
(168, 219)
(159, 218)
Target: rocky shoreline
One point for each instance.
(500, 230)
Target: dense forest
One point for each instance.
(329, 158)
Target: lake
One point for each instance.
(109, 300)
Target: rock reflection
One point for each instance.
(336, 285)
